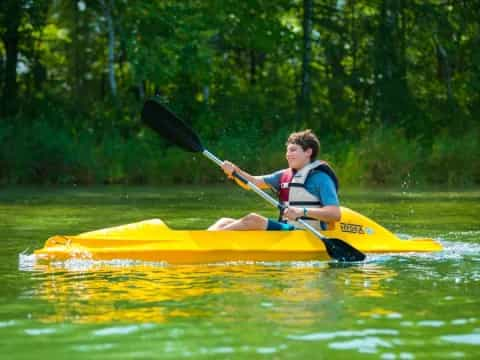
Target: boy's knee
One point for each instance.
(221, 223)
(253, 219)
(225, 221)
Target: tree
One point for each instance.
(12, 11)
(304, 103)
(108, 9)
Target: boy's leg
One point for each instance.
(249, 222)
(275, 225)
(221, 223)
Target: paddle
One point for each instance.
(168, 125)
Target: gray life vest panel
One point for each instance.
(299, 196)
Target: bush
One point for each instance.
(385, 157)
(454, 161)
(44, 152)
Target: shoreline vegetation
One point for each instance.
(386, 158)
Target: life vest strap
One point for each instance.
(305, 203)
(295, 185)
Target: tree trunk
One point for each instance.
(141, 90)
(390, 94)
(353, 39)
(383, 62)
(304, 103)
(77, 57)
(253, 66)
(11, 40)
(444, 69)
(108, 9)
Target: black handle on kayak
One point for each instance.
(240, 177)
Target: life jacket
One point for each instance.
(293, 192)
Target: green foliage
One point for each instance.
(454, 161)
(383, 157)
(33, 155)
(395, 88)
(387, 157)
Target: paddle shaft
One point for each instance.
(262, 193)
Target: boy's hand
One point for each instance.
(228, 168)
(293, 213)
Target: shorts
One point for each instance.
(274, 225)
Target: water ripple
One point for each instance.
(217, 350)
(121, 330)
(36, 332)
(365, 344)
(431, 323)
(468, 339)
(336, 334)
(96, 347)
(8, 323)
(266, 350)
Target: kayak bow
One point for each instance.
(153, 240)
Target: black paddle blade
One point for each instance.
(160, 119)
(342, 251)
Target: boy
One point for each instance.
(308, 189)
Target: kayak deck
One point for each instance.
(152, 240)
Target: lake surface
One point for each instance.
(411, 306)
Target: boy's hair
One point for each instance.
(307, 140)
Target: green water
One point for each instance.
(390, 307)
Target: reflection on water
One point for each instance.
(94, 292)
(259, 308)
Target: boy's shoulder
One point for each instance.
(319, 176)
(279, 172)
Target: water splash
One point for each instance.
(30, 263)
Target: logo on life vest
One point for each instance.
(352, 228)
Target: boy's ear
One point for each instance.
(309, 151)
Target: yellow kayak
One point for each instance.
(153, 240)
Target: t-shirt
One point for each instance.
(318, 183)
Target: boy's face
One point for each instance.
(297, 157)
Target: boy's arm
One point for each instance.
(327, 213)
